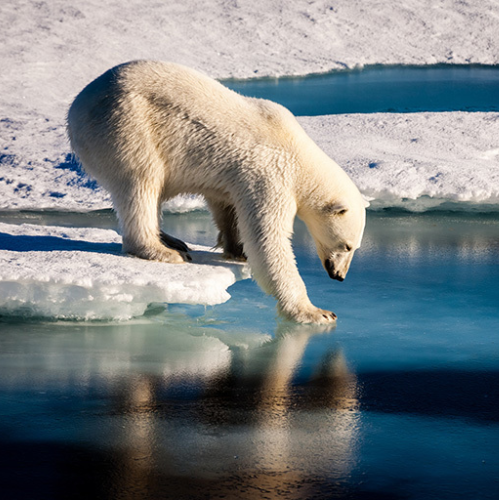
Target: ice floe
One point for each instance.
(80, 273)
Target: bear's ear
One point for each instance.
(335, 209)
(366, 203)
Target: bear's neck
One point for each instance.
(319, 181)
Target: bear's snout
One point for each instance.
(333, 273)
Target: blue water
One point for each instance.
(400, 401)
(382, 89)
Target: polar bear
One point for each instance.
(148, 131)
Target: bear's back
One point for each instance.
(170, 87)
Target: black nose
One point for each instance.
(333, 274)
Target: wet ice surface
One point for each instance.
(401, 400)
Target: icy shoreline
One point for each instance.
(50, 50)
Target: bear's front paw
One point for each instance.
(313, 315)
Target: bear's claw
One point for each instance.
(173, 243)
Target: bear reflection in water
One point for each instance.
(249, 430)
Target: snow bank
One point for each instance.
(416, 161)
(79, 273)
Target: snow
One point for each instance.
(416, 161)
(51, 50)
(80, 273)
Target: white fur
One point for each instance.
(148, 131)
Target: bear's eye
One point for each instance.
(348, 248)
(335, 209)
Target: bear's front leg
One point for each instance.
(267, 243)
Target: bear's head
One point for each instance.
(337, 228)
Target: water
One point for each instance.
(401, 400)
(382, 89)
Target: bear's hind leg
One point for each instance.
(228, 237)
(139, 220)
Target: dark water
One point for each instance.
(400, 401)
(400, 89)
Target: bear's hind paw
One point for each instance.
(231, 256)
